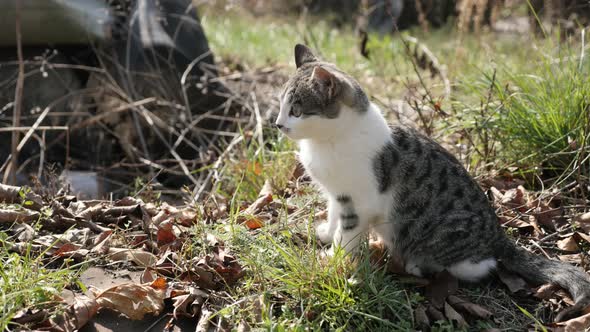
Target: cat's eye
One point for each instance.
(295, 111)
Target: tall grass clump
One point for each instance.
(537, 118)
(27, 281)
(300, 291)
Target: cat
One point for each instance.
(402, 186)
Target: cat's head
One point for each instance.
(319, 101)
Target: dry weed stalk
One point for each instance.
(10, 173)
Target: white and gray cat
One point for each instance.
(401, 186)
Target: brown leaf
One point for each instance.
(515, 222)
(583, 221)
(514, 283)
(133, 300)
(582, 236)
(503, 183)
(203, 324)
(137, 256)
(514, 198)
(253, 223)
(453, 315)
(67, 249)
(101, 242)
(571, 258)
(443, 285)
(147, 276)
(12, 194)
(497, 195)
(574, 325)
(471, 308)
(565, 296)
(187, 217)
(165, 234)
(545, 292)
(568, 244)
(159, 283)
(9, 216)
(422, 321)
(264, 198)
(76, 315)
(29, 316)
(434, 314)
(537, 230)
(544, 214)
(189, 304)
(24, 232)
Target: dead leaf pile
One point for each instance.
(547, 226)
(125, 234)
(443, 304)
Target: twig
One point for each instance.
(11, 171)
(258, 121)
(197, 193)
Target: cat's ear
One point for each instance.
(303, 54)
(325, 78)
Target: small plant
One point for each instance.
(302, 290)
(26, 281)
(535, 119)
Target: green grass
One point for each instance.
(237, 36)
(535, 118)
(294, 289)
(28, 281)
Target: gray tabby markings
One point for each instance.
(348, 216)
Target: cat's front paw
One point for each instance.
(323, 233)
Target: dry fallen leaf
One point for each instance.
(204, 323)
(568, 244)
(515, 222)
(514, 198)
(24, 232)
(545, 292)
(147, 276)
(189, 304)
(422, 321)
(435, 314)
(264, 198)
(471, 308)
(583, 221)
(137, 256)
(582, 236)
(443, 285)
(544, 214)
(253, 223)
(453, 315)
(76, 315)
(514, 283)
(571, 258)
(134, 300)
(165, 234)
(581, 323)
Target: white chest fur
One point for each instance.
(343, 163)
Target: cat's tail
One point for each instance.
(540, 270)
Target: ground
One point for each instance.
(512, 107)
